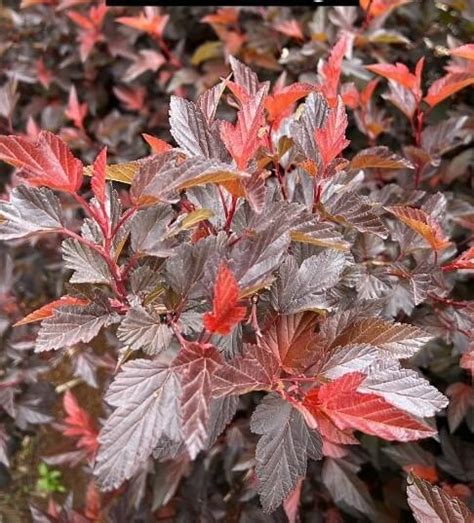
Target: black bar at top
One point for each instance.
(236, 3)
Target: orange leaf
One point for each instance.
(379, 157)
(148, 21)
(464, 51)
(157, 145)
(380, 7)
(423, 224)
(399, 73)
(225, 311)
(447, 86)
(224, 16)
(46, 311)
(279, 104)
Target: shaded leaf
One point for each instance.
(147, 396)
(73, 324)
(29, 211)
(282, 451)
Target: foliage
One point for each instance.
(268, 300)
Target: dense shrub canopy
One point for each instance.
(234, 262)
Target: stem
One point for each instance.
(230, 214)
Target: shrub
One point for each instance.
(267, 292)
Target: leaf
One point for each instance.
(313, 117)
(403, 388)
(149, 231)
(207, 51)
(73, 324)
(88, 265)
(157, 145)
(461, 399)
(225, 311)
(293, 340)
(290, 28)
(79, 425)
(349, 409)
(465, 261)
(190, 129)
(354, 210)
(397, 340)
(331, 137)
(160, 178)
(76, 111)
(147, 396)
(119, 172)
(346, 488)
(48, 161)
(465, 51)
(149, 21)
(242, 139)
(47, 311)
(379, 158)
(29, 211)
(99, 173)
(432, 504)
(446, 86)
(338, 361)
(197, 365)
(143, 329)
(399, 73)
(280, 102)
(423, 224)
(283, 449)
(256, 369)
(297, 289)
(244, 76)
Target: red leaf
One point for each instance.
(99, 175)
(330, 71)
(47, 311)
(242, 139)
(225, 311)
(79, 425)
(47, 162)
(45, 76)
(331, 139)
(76, 111)
(290, 28)
(467, 361)
(447, 86)
(465, 261)
(349, 409)
(133, 99)
(157, 145)
(93, 506)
